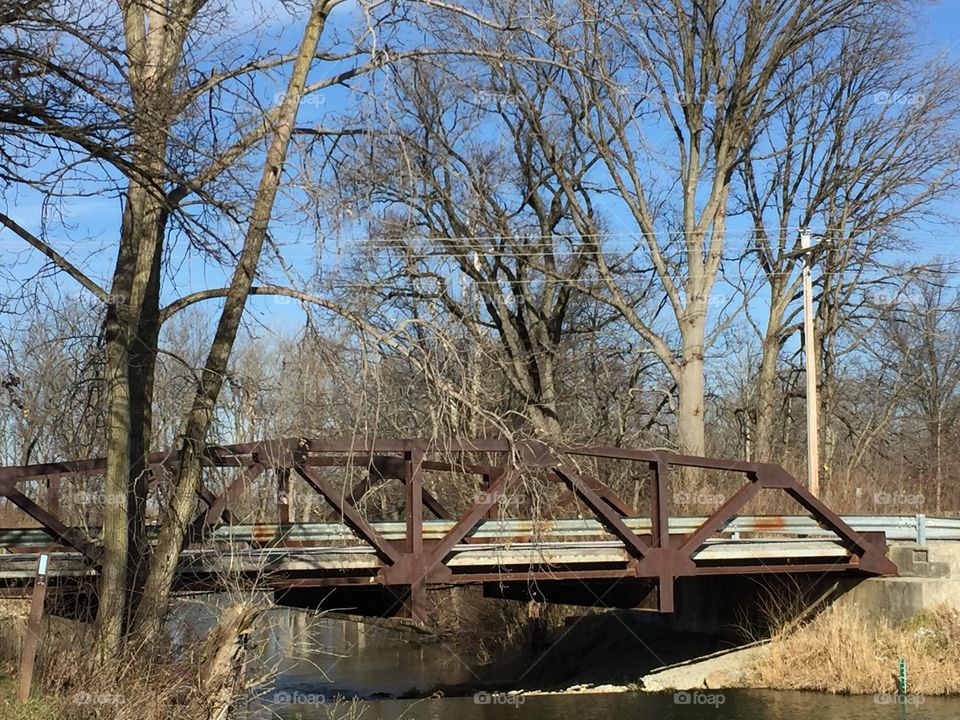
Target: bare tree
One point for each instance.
(862, 151)
(922, 332)
(472, 228)
(671, 96)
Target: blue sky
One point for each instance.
(942, 26)
(88, 235)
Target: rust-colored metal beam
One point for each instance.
(383, 468)
(52, 524)
(219, 503)
(603, 512)
(605, 492)
(394, 468)
(469, 520)
(720, 519)
(349, 515)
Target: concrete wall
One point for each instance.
(739, 605)
(929, 576)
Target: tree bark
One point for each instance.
(691, 437)
(177, 517)
(766, 402)
(129, 368)
(154, 38)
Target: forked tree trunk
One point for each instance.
(177, 516)
(154, 37)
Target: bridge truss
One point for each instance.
(591, 546)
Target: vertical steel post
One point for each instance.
(413, 486)
(659, 505)
(665, 600)
(53, 495)
(660, 529)
(30, 642)
(283, 495)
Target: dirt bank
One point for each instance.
(837, 652)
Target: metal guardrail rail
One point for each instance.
(912, 528)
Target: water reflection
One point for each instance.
(322, 658)
(330, 657)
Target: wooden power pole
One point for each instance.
(810, 358)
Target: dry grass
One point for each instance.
(70, 685)
(841, 652)
(156, 682)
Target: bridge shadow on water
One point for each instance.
(344, 658)
(558, 647)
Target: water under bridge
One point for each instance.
(523, 519)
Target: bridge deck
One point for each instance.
(500, 547)
(278, 561)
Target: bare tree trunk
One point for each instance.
(766, 402)
(143, 363)
(690, 427)
(177, 517)
(154, 39)
(128, 369)
(544, 421)
(690, 374)
(113, 578)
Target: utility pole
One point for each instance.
(810, 358)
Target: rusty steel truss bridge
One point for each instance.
(448, 525)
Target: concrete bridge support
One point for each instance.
(929, 576)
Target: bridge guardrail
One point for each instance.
(915, 528)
